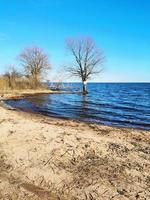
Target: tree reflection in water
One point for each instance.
(39, 100)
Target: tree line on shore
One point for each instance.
(87, 61)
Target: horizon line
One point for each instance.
(97, 82)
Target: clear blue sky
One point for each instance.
(120, 27)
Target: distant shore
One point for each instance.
(50, 158)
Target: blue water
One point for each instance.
(115, 104)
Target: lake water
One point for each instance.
(115, 104)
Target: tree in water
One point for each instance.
(88, 59)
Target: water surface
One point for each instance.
(116, 104)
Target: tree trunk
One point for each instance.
(84, 87)
(35, 81)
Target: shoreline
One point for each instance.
(14, 96)
(65, 119)
(51, 158)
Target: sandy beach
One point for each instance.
(48, 158)
(74, 100)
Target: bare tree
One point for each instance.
(12, 74)
(35, 63)
(88, 59)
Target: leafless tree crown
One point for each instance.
(35, 63)
(12, 74)
(34, 60)
(88, 58)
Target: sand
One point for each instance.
(48, 158)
